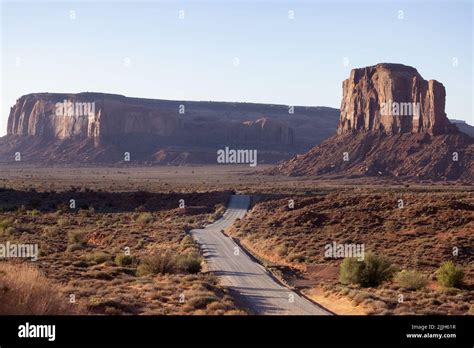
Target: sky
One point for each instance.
(281, 52)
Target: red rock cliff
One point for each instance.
(106, 117)
(85, 115)
(392, 98)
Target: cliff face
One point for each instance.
(157, 130)
(266, 130)
(86, 116)
(392, 98)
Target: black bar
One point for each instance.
(268, 330)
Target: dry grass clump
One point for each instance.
(411, 280)
(160, 263)
(144, 218)
(189, 263)
(6, 226)
(76, 240)
(97, 257)
(166, 262)
(25, 291)
(282, 250)
(219, 210)
(124, 260)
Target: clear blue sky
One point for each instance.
(294, 62)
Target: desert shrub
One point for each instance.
(282, 250)
(296, 257)
(34, 212)
(166, 262)
(144, 218)
(200, 302)
(25, 291)
(219, 210)
(349, 271)
(344, 291)
(61, 222)
(187, 241)
(76, 237)
(216, 306)
(376, 270)
(51, 231)
(124, 260)
(411, 280)
(140, 244)
(9, 231)
(4, 224)
(189, 263)
(372, 271)
(74, 247)
(450, 275)
(160, 263)
(360, 297)
(379, 305)
(97, 257)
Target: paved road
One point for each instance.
(251, 283)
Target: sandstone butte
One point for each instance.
(417, 105)
(392, 124)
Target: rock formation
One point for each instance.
(392, 124)
(86, 116)
(266, 130)
(100, 127)
(392, 98)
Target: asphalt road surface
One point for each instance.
(249, 281)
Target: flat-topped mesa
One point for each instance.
(392, 98)
(109, 118)
(85, 115)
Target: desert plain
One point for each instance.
(123, 247)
